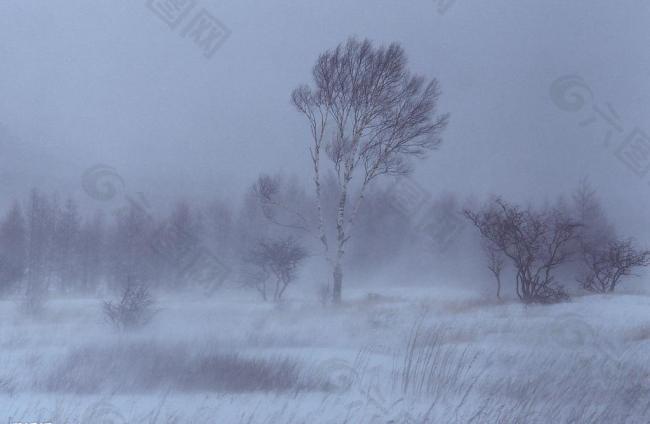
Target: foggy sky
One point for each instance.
(106, 81)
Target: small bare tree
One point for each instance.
(536, 242)
(496, 262)
(281, 258)
(370, 116)
(606, 265)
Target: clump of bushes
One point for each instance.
(538, 242)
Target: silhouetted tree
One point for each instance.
(369, 116)
(537, 242)
(606, 265)
(280, 258)
(496, 263)
(605, 257)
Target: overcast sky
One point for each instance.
(108, 81)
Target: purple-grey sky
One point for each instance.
(109, 82)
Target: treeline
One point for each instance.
(49, 245)
(262, 241)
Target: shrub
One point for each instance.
(537, 242)
(606, 265)
(135, 308)
(281, 258)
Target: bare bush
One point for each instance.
(537, 242)
(606, 258)
(134, 310)
(280, 258)
(606, 265)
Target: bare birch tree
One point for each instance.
(369, 116)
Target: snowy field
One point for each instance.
(434, 357)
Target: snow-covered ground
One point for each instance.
(431, 356)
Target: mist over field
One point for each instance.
(369, 212)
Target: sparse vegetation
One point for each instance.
(279, 258)
(537, 242)
(606, 265)
(150, 366)
(134, 309)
